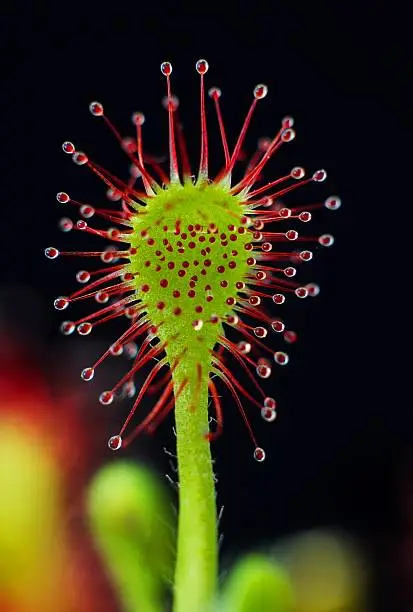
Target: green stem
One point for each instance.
(197, 550)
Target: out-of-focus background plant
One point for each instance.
(80, 531)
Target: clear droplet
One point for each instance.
(116, 350)
(306, 255)
(305, 216)
(326, 240)
(287, 122)
(62, 197)
(278, 298)
(87, 211)
(115, 442)
(138, 118)
(278, 326)
(269, 402)
(114, 195)
(67, 327)
(281, 358)
(214, 93)
(284, 212)
(198, 324)
(263, 370)
(332, 203)
(170, 103)
(101, 297)
(290, 271)
(260, 91)
(82, 276)
(96, 109)
(202, 66)
(319, 176)
(61, 303)
(244, 347)
(288, 135)
(51, 253)
(80, 158)
(131, 350)
(232, 319)
(301, 292)
(68, 147)
(297, 172)
(166, 68)
(65, 224)
(129, 389)
(313, 289)
(259, 454)
(87, 374)
(84, 328)
(290, 336)
(268, 414)
(106, 397)
(291, 235)
(260, 332)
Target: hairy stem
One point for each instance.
(196, 565)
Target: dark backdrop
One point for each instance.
(337, 455)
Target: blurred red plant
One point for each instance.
(46, 460)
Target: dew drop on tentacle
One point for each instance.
(305, 255)
(166, 68)
(326, 240)
(80, 158)
(259, 454)
(260, 91)
(116, 350)
(115, 442)
(244, 347)
(51, 253)
(301, 292)
(268, 414)
(290, 271)
(87, 374)
(82, 276)
(68, 147)
(96, 108)
(106, 398)
(297, 172)
(290, 336)
(269, 402)
(288, 135)
(65, 224)
(214, 93)
(281, 358)
(332, 203)
(260, 332)
(202, 66)
(67, 327)
(263, 370)
(86, 211)
(313, 289)
(61, 303)
(84, 329)
(277, 326)
(319, 176)
(62, 197)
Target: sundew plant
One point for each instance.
(200, 267)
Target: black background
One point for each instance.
(337, 455)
